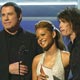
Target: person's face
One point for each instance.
(9, 17)
(65, 27)
(44, 37)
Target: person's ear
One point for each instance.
(20, 17)
(54, 34)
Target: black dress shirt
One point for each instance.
(75, 58)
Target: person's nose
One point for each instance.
(60, 25)
(40, 39)
(6, 18)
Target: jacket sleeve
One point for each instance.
(4, 65)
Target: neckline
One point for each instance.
(58, 51)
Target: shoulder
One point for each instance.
(37, 58)
(2, 35)
(65, 53)
(65, 58)
(36, 61)
(77, 40)
(29, 34)
(1, 32)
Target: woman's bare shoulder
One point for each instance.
(65, 53)
(37, 58)
(65, 58)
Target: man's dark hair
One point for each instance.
(71, 15)
(16, 7)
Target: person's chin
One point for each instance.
(46, 48)
(63, 34)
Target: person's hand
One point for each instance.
(18, 68)
(42, 76)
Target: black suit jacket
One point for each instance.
(4, 63)
(19, 47)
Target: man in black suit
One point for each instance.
(17, 47)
